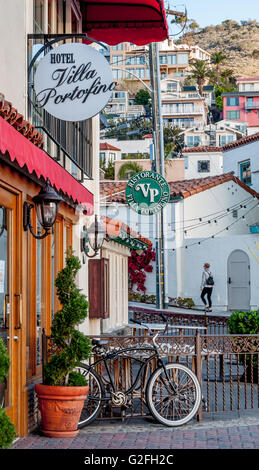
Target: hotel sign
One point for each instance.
(147, 192)
(73, 82)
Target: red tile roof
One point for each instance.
(115, 191)
(202, 149)
(113, 228)
(240, 142)
(255, 79)
(105, 146)
(11, 115)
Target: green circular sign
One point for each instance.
(147, 192)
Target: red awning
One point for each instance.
(36, 160)
(116, 21)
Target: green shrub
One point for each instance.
(72, 345)
(246, 323)
(7, 430)
(4, 361)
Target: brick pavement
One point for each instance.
(238, 433)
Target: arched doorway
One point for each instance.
(238, 281)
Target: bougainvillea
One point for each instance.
(139, 265)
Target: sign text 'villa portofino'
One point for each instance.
(73, 82)
(147, 192)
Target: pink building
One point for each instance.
(243, 105)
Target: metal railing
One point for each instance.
(226, 365)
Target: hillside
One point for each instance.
(239, 42)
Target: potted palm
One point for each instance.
(62, 395)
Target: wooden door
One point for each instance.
(238, 281)
(10, 300)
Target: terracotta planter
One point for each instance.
(60, 409)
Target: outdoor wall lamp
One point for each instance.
(95, 236)
(46, 202)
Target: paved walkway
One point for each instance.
(229, 431)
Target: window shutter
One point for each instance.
(98, 284)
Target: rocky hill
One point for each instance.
(238, 41)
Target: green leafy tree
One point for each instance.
(143, 98)
(72, 346)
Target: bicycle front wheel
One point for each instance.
(93, 403)
(174, 396)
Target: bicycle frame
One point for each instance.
(144, 364)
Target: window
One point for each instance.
(172, 59)
(233, 101)
(245, 172)
(193, 140)
(172, 86)
(163, 59)
(117, 59)
(130, 60)
(233, 115)
(140, 72)
(203, 166)
(118, 47)
(111, 157)
(247, 87)
(117, 73)
(140, 60)
(182, 59)
(129, 73)
(226, 139)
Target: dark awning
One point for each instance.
(116, 21)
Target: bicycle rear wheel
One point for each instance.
(93, 403)
(173, 407)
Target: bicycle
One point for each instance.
(172, 391)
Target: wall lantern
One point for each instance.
(46, 202)
(95, 236)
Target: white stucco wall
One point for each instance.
(191, 164)
(233, 157)
(16, 20)
(184, 265)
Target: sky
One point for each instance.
(212, 12)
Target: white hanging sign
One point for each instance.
(73, 82)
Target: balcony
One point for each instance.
(254, 105)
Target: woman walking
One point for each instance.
(207, 284)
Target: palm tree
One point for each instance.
(228, 76)
(200, 72)
(127, 170)
(217, 58)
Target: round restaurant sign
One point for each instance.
(147, 192)
(73, 82)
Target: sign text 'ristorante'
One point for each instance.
(147, 192)
(73, 82)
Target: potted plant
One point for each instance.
(62, 395)
(7, 429)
